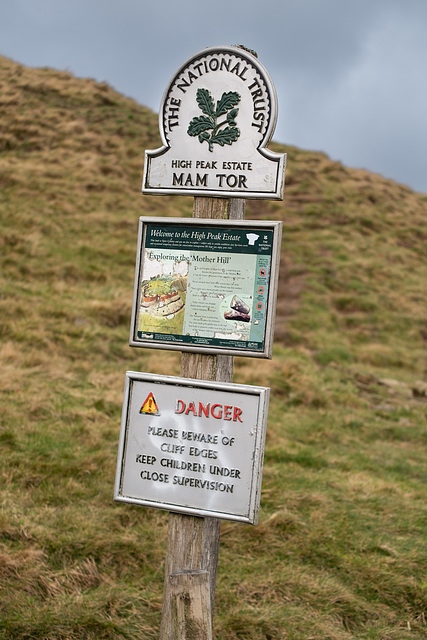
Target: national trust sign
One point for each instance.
(216, 118)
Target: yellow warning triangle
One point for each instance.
(150, 406)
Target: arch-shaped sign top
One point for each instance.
(216, 118)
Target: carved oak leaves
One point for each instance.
(207, 127)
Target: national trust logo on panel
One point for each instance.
(223, 132)
(216, 118)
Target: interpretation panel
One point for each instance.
(206, 286)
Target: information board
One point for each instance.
(206, 285)
(192, 446)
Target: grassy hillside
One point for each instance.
(340, 550)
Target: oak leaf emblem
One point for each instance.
(207, 127)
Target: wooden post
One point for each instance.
(191, 607)
(193, 542)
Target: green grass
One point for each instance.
(340, 552)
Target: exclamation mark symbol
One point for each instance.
(150, 406)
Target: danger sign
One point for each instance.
(191, 446)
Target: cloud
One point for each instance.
(349, 76)
(372, 115)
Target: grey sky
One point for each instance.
(350, 76)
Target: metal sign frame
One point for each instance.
(213, 317)
(146, 431)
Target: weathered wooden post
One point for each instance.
(195, 541)
(206, 287)
(190, 603)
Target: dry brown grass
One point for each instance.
(340, 549)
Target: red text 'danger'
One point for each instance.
(217, 411)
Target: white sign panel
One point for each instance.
(192, 446)
(216, 118)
